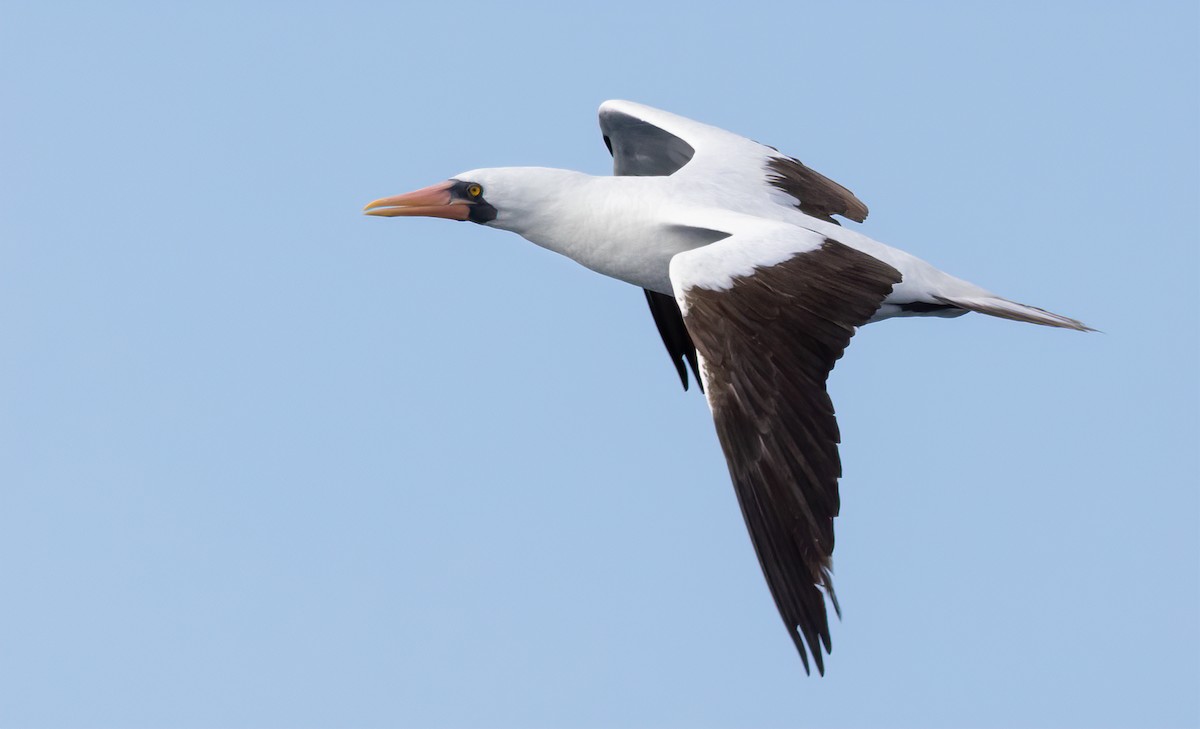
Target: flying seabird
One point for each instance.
(753, 285)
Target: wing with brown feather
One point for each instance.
(768, 339)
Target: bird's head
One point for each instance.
(460, 198)
(500, 197)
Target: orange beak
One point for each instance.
(435, 201)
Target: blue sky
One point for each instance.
(267, 462)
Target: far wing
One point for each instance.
(770, 314)
(741, 174)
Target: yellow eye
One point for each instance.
(474, 190)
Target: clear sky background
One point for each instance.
(266, 462)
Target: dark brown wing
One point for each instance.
(815, 194)
(768, 342)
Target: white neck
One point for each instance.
(617, 226)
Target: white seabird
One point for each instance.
(753, 284)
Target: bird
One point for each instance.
(754, 286)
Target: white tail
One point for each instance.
(1005, 309)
